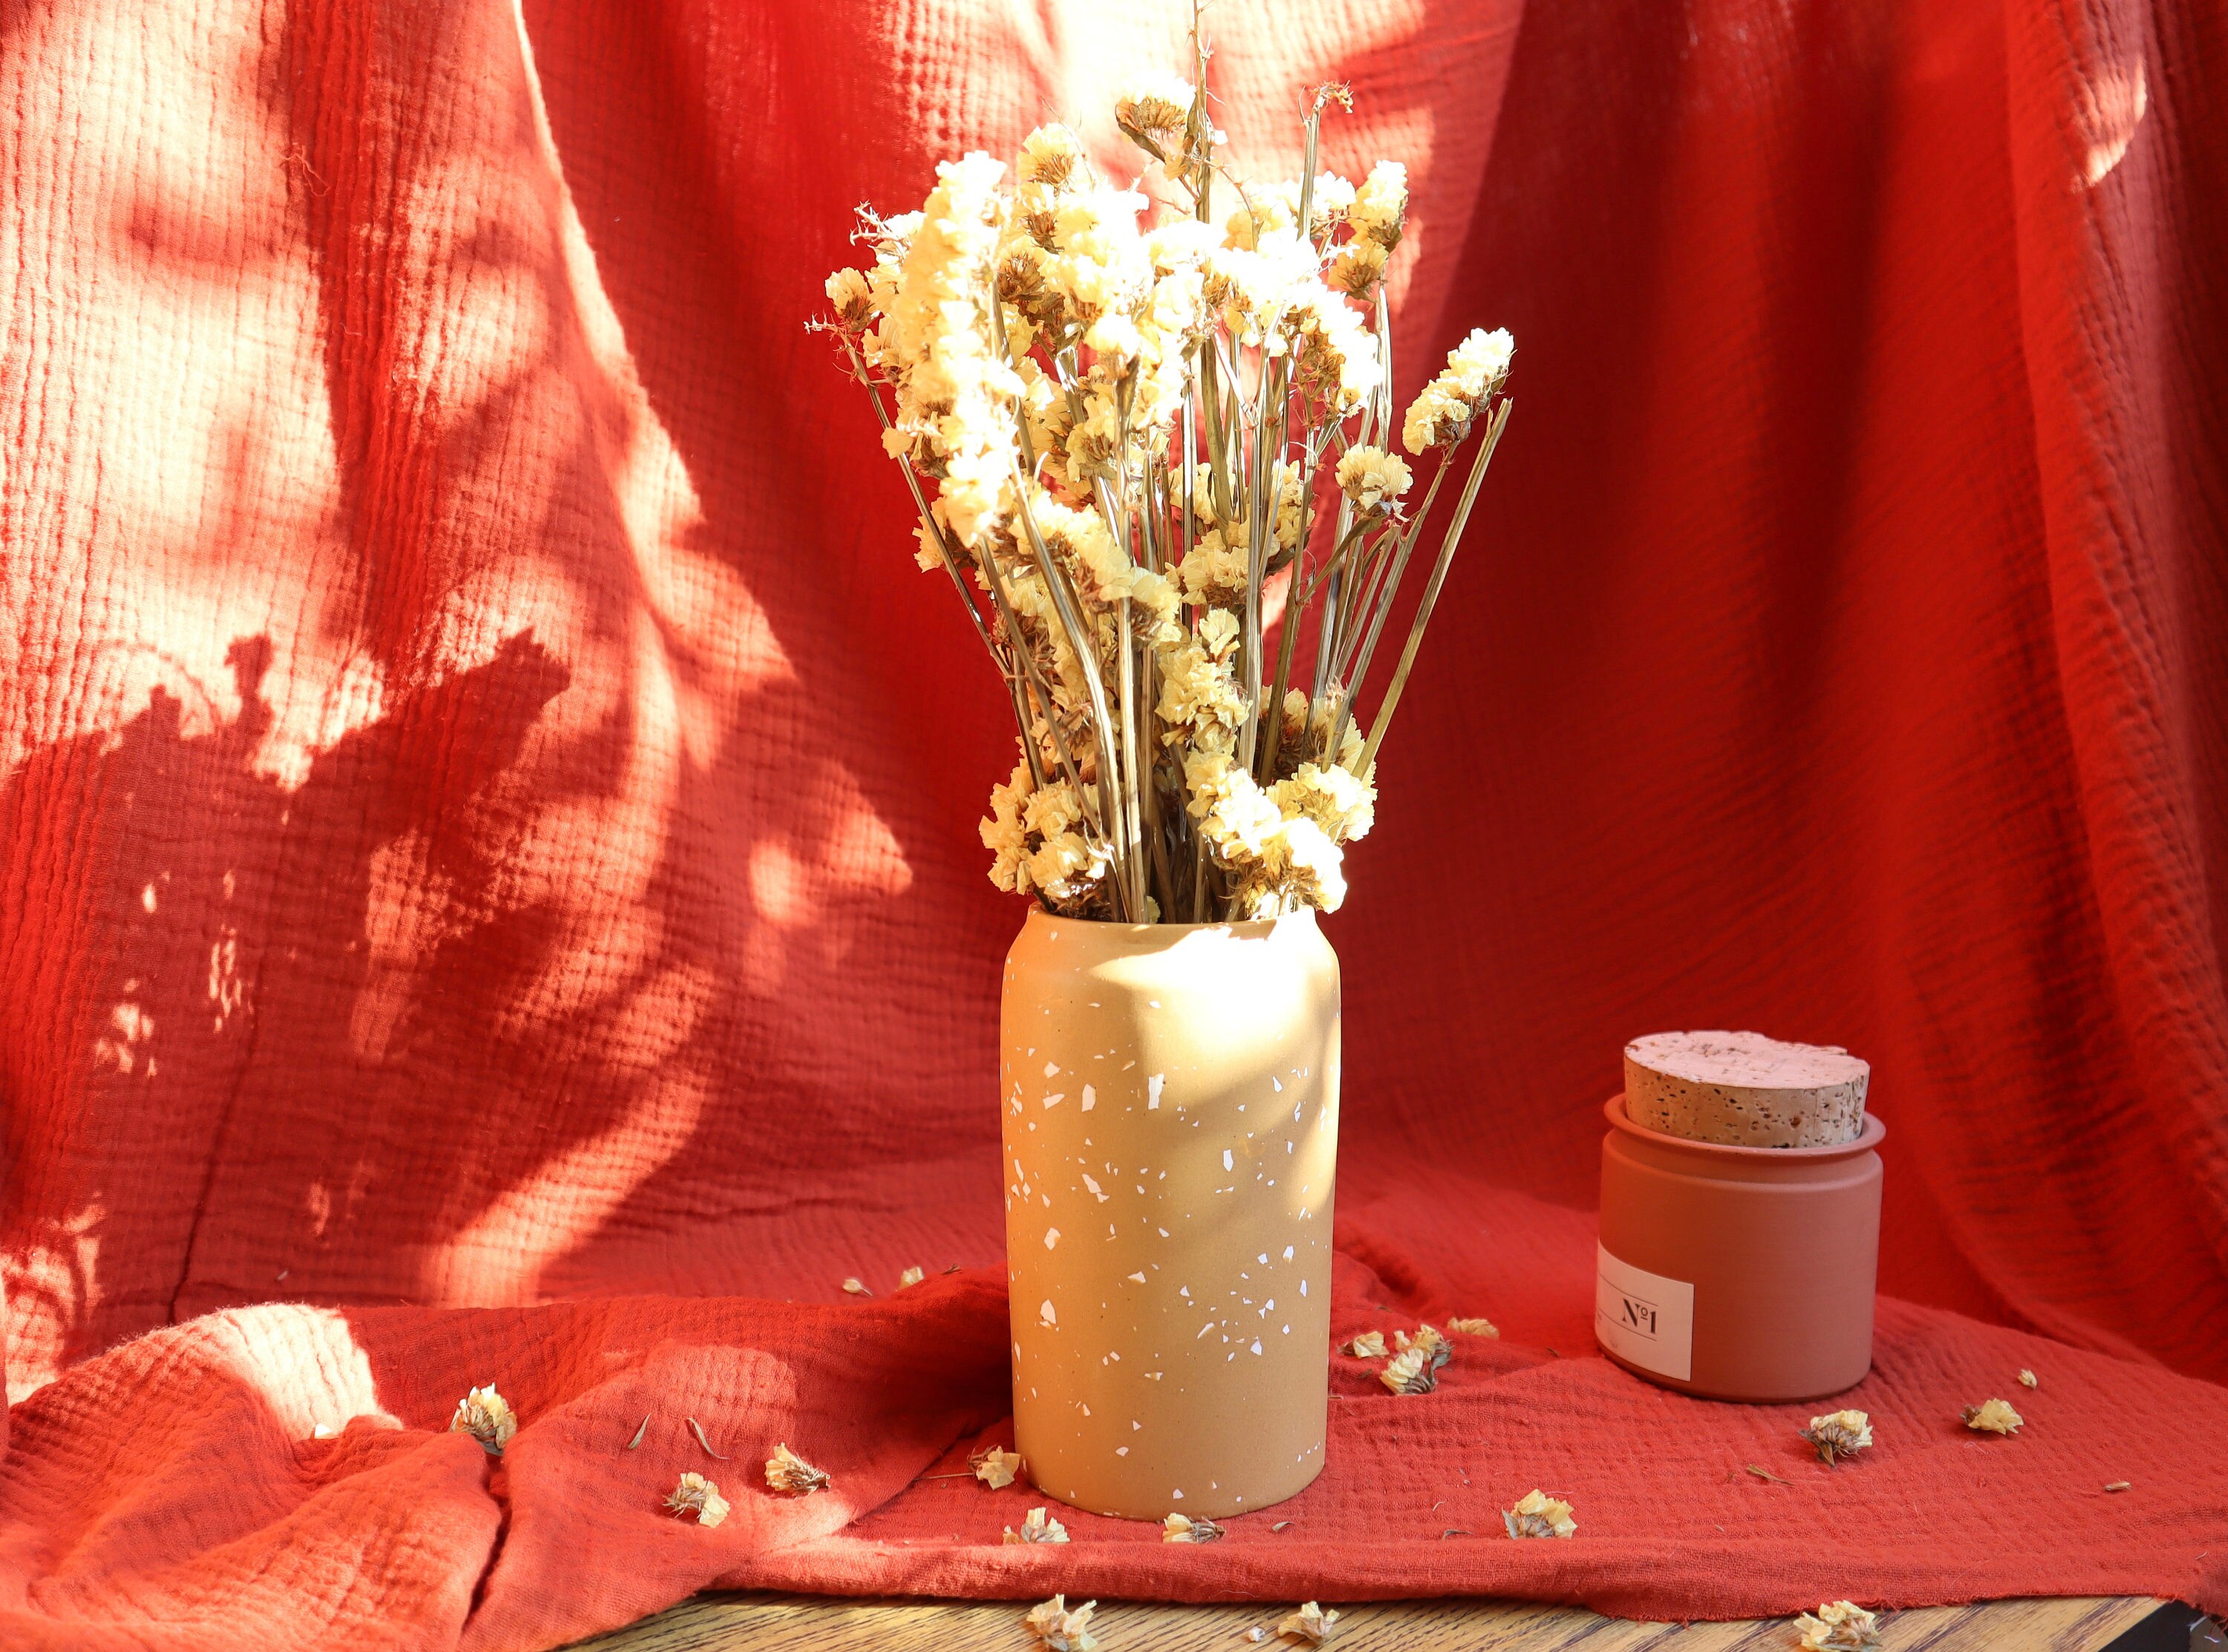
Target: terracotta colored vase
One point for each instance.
(1170, 1102)
(1737, 1272)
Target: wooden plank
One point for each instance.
(802, 1624)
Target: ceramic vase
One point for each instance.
(1169, 1094)
(1737, 1272)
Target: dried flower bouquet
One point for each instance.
(1135, 446)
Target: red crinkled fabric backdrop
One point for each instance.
(486, 865)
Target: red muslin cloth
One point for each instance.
(487, 891)
(173, 1493)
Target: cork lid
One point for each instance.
(1744, 1090)
(1748, 1059)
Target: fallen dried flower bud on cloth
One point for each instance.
(1839, 1433)
(639, 1432)
(1428, 1342)
(1409, 1373)
(1061, 1630)
(697, 1429)
(487, 1417)
(857, 1288)
(1038, 1526)
(995, 1467)
(1763, 1473)
(1993, 1417)
(1474, 1327)
(2027, 1380)
(1370, 1345)
(1538, 1515)
(790, 1475)
(1182, 1529)
(1838, 1626)
(2116, 1485)
(1310, 1623)
(696, 1495)
(911, 1277)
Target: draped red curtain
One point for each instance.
(486, 802)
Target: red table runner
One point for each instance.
(173, 1494)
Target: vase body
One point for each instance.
(1737, 1272)
(1169, 1097)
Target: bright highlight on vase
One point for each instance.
(1147, 426)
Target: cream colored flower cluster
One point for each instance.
(1282, 843)
(1475, 369)
(1126, 410)
(1033, 837)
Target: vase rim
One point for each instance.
(1872, 1134)
(1109, 926)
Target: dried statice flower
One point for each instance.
(1444, 409)
(1356, 269)
(1839, 1433)
(1838, 1626)
(1409, 1373)
(1372, 479)
(1381, 205)
(1310, 1623)
(1538, 1515)
(1370, 1345)
(857, 1288)
(2027, 1380)
(995, 1467)
(790, 1475)
(1993, 1417)
(1152, 115)
(911, 1277)
(1051, 155)
(696, 1495)
(1038, 1526)
(1061, 1628)
(852, 298)
(487, 1417)
(1182, 1529)
(1474, 1327)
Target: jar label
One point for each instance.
(1645, 1318)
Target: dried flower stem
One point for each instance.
(1447, 548)
(921, 503)
(1078, 639)
(1043, 692)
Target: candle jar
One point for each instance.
(1737, 1272)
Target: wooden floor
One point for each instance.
(798, 1623)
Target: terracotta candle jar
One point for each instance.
(1169, 1094)
(1737, 1272)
